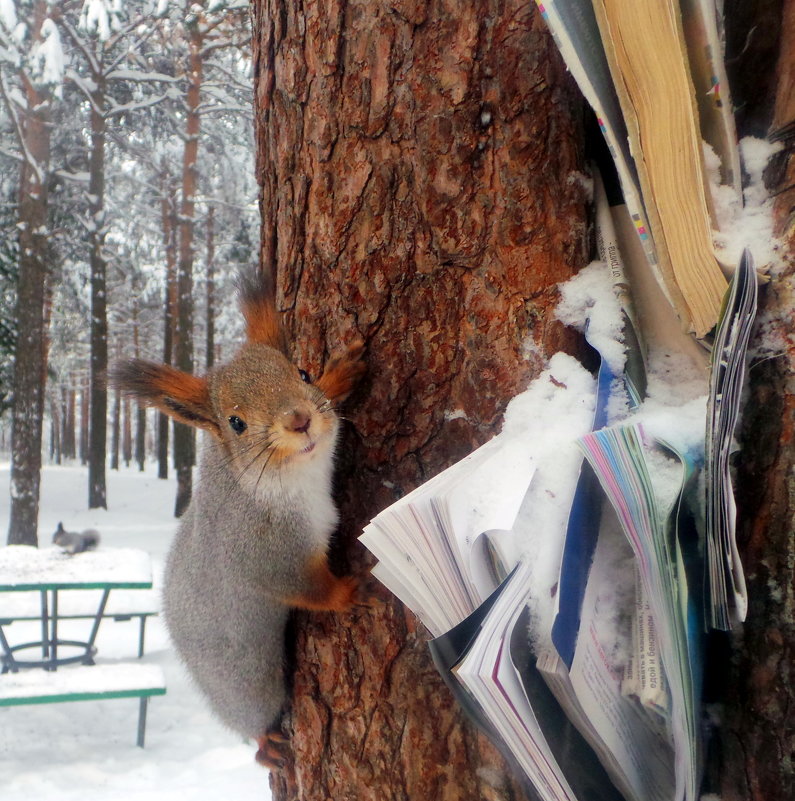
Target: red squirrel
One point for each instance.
(253, 542)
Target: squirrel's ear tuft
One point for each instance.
(258, 302)
(183, 396)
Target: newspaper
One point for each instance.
(725, 576)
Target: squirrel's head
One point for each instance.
(263, 409)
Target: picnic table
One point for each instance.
(49, 572)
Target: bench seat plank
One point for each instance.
(80, 603)
(123, 680)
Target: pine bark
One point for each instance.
(420, 172)
(30, 356)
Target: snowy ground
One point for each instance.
(86, 750)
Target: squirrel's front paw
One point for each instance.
(273, 750)
(324, 591)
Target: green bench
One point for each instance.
(86, 683)
(122, 605)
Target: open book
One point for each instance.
(653, 73)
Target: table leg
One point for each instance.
(9, 663)
(141, 635)
(45, 627)
(95, 627)
(54, 633)
(142, 720)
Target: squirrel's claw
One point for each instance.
(273, 750)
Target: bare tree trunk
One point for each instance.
(68, 425)
(97, 432)
(56, 433)
(184, 436)
(30, 360)
(210, 286)
(115, 431)
(759, 731)
(140, 438)
(419, 168)
(84, 403)
(167, 215)
(140, 411)
(126, 437)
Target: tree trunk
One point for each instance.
(56, 433)
(167, 215)
(68, 412)
(140, 411)
(126, 438)
(140, 438)
(115, 431)
(30, 355)
(759, 731)
(97, 432)
(84, 402)
(184, 436)
(420, 171)
(209, 358)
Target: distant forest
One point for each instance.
(127, 207)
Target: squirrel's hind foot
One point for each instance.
(273, 750)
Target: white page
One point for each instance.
(646, 761)
(489, 675)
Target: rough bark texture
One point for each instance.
(420, 170)
(759, 731)
(30, 352)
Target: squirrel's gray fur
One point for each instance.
(253, 541)
(233, 559)
(73, 542)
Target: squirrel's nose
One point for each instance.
(298, 422)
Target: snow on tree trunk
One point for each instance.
(97, 431)
(421, 188)
(30, 356)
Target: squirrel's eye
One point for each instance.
(238, 425)
(305, 376)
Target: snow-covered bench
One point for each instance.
(85, 683)
(82, 605)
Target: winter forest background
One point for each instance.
(127, 206)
